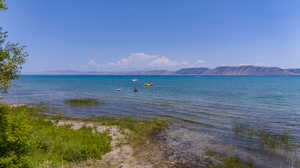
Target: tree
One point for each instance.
(2, 4)
(15, 129)
(12, 56)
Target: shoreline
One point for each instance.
(130, 148)
(133, 142)
(136, 145)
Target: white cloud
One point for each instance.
(145, 60)
(93, 64)
(140, 61)
(135, 59)
(200, 61)
(163, 61)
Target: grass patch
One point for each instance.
(140, 134)
(28, 140)
(83, 102)
(269, 139)
(56, 145)
(140, 130)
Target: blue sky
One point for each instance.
(115, 35)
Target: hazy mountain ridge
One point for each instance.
(247, 70)
(295, 70)
(239, 71)
(187, 71)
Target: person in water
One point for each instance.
(135, 90)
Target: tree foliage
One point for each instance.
(12, 56)
(15, 133)
(2, 4)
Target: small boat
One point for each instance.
(119, 89)
(134, 80)
(148, 84)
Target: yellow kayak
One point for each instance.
(148, 84)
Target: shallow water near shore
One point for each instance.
(200, 105)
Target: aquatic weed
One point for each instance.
(83, 102)
(228, 161)
(269, 139)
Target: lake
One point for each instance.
(201, 104)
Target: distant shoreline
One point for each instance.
(27, 74)
(248, 70)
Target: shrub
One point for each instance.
(15, 133)
(27, 139)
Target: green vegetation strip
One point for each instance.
(83, 102)
(140, 130)
(28, 138)
(28, 141)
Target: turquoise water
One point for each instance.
(201, 104)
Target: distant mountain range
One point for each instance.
(296, 71)
(239, 71)
(247, 70)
